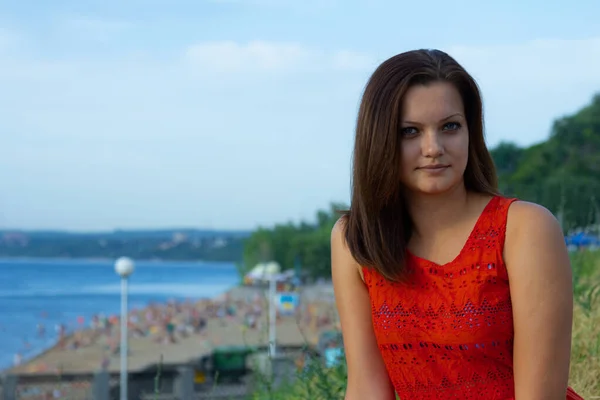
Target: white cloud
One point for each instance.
(539, 62)
(314, 5)
(351, 60)
(263, 56)
(97, 29)
(229, 56)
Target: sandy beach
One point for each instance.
(183, 331)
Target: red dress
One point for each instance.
(447, 333)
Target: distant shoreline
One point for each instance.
(110, 259)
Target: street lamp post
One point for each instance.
(124, 267)
(272, 316)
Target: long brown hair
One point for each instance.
(378, 225)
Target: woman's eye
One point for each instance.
(409, 131)
(451, 126)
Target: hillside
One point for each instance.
(562, 173)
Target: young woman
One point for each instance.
(445, 289)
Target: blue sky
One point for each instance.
(235, 113)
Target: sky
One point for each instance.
(230, 114)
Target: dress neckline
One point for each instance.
(475, 228)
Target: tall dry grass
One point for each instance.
(585, 350)
(320, 383)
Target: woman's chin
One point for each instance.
(434, 188)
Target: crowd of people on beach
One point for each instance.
(165, 324)
(168, 323)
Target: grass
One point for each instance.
(585, 350)
(315, 382)
(320, 383)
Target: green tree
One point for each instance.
(305, 242)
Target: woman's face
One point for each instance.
(435, 139)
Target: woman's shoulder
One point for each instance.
(524, 216)
(338, 235)
(531, 229)
(341, 256)
(339, 228)
(518, 214)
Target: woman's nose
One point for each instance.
(431, 145)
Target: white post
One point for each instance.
(124, 267)
(272, 317)
(124, 318)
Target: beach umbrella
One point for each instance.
(264, 271)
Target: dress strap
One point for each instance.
(500, 219)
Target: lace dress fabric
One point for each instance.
(447, 333)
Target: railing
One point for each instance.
(198, 380)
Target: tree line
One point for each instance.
(220, 249)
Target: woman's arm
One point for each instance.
(542, 296)
(367, 376)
